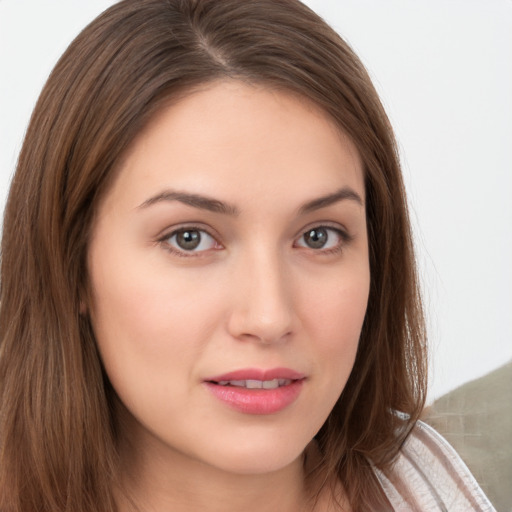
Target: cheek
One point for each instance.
(338, 308)
(145, 318)
(336, 315)
(148, 340)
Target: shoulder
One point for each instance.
(429, 476)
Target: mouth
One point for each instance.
(257, 391)
(273, 377)
(255, 384)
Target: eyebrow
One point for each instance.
(344, 193)
(195, 200)
(216, 206)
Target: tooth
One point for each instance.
(237, 383)
(254, 384)
(270, 384)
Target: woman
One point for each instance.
(209, 298)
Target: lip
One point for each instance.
(257, 401)
(258, 374)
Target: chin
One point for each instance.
(259, 465)
(252, 456)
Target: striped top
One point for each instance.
(429, 476)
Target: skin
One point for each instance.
(253, 294)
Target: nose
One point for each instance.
(262, 308)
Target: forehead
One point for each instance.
(240, 140)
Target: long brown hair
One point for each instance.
(57, 430)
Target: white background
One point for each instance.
(444, 71)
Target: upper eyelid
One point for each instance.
(170, 231)
(336, 226)
(340, 232)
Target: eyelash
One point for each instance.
(345, 238)
(164, 240)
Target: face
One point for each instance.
(229, 274)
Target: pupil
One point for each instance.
(316, 238)
(188, 240)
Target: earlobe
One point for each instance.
(82, 308)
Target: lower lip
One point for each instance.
(257, 401)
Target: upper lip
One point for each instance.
(258, 374)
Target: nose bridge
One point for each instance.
(262, 306)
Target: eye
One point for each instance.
(322, 238)
(192, 240)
